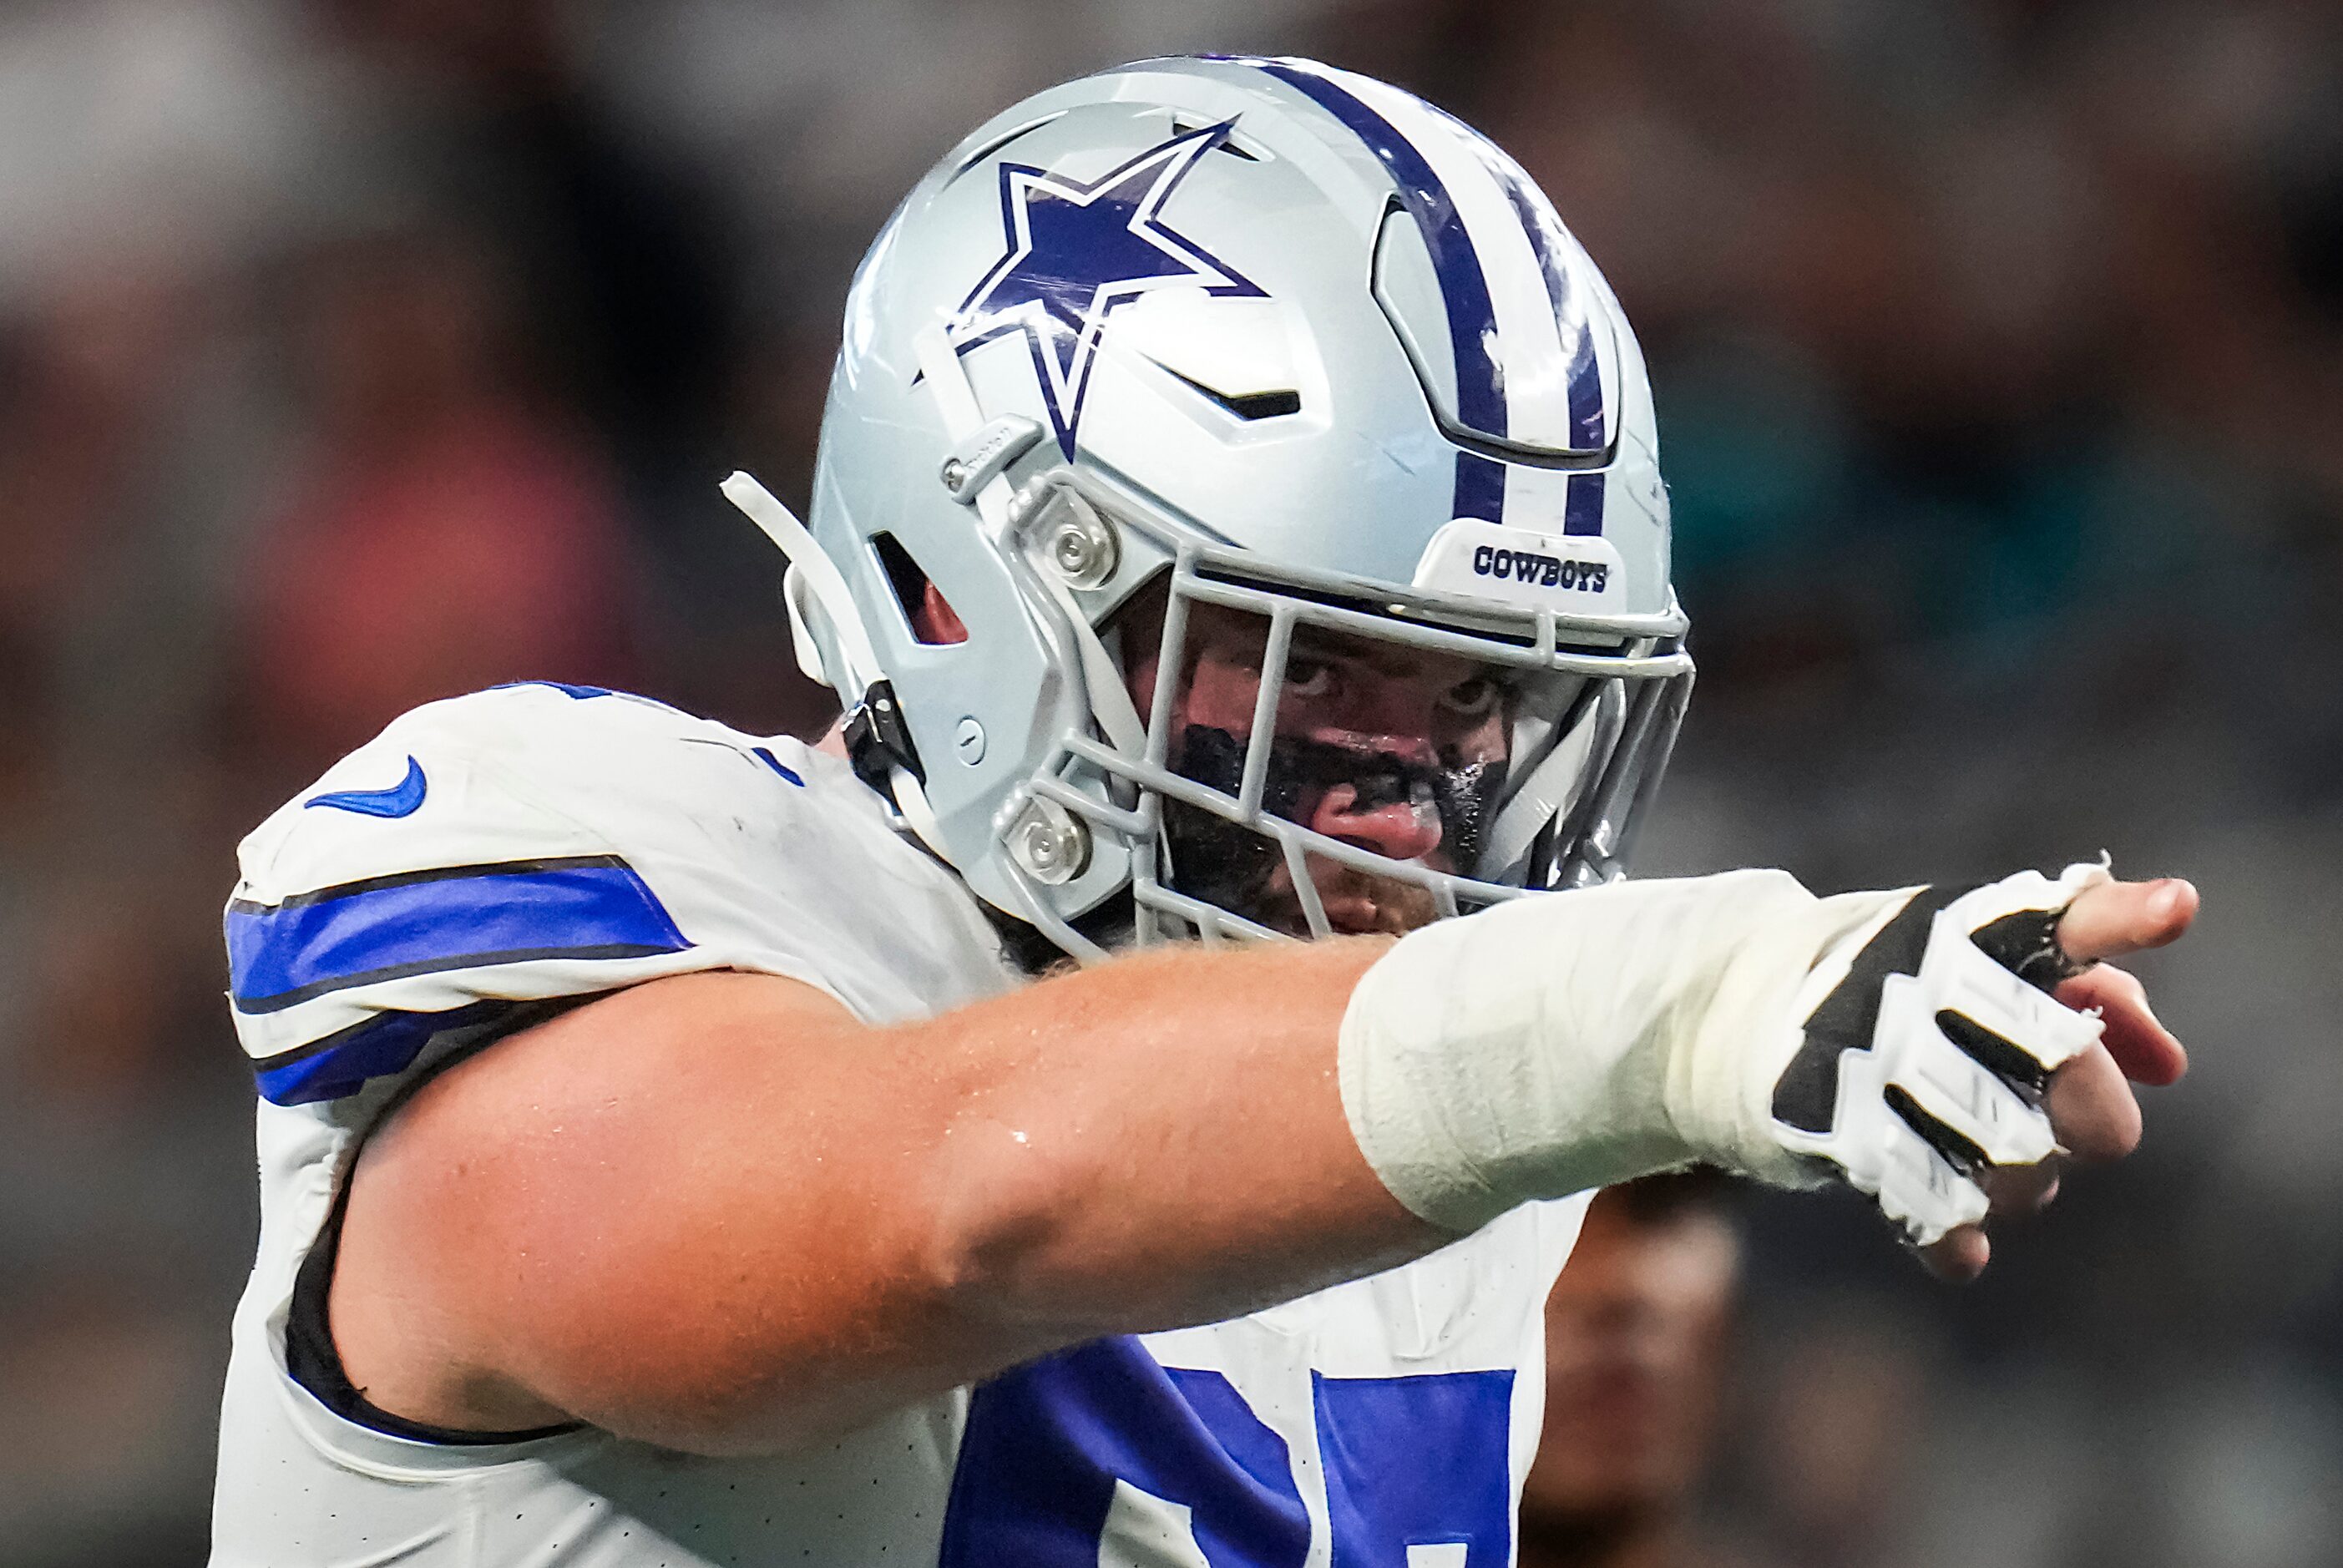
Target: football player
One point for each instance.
(1237, 518)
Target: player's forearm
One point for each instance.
(1156, 1142)
(1179, 1138)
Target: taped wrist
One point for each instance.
(1561, 1042)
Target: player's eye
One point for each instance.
(1308, 677)
(1474, 698)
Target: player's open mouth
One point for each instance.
(1242, 869)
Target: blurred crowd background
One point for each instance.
(358, 352)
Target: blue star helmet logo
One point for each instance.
(1076, 252)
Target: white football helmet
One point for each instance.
(1263, 334)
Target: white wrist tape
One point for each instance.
(1557, 1043)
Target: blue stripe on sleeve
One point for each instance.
(346, 1062)
(423, 922)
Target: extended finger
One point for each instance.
(1959, 1255)
(2091, 1108)
(2112, 918)
(2141, 1046)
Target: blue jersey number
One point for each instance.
(1409, 1462)
(1417, 1461)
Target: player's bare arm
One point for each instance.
(719, 1213)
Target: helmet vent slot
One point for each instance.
(1263, 404)
(1247, 406)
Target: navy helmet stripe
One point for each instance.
(1480, 488)
(457, 917)
(1463, 288)
(1586, 376)
(1582, 505)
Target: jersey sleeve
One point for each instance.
(481, 862)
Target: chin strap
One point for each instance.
(963, 419)
(811, 573)
(877, 739)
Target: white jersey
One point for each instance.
(487, 859)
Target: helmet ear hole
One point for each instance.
(926, 611)
(935, 621)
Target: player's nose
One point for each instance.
(1405, 830)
